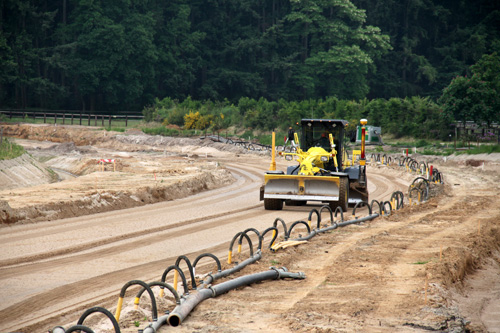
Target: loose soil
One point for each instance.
(73, 234)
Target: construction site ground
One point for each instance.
(75, 230)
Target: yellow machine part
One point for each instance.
(297, 187)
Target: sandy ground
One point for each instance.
(72, 244)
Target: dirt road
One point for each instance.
(406, 272)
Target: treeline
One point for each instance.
(121, 54)
(412, 116)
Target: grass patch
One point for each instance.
(164, 131)
(115, 129)
(483, 149)
(421, 262)
(10, 150)
(274, 262)
(445, 152)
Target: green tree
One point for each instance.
(336, 49)
(475, 98)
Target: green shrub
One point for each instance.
(484, 149)
(10, 150)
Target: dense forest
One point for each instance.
(122, 54)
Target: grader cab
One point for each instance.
(324, 172)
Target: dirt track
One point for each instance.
(368, 277)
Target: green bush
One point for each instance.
(484, 149)
(10, 150)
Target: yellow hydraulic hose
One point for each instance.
(119, 308)
(176, 279)
(285, 244)
(229, 257)
(136, 303)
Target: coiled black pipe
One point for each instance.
(79, 328)
(162, 285)
(379, 206)
(256, 232)
(181, 312)
(181, 273)
(329, 209)
(190, 268)
(341, 211)
(229, 257)
(419, 185)
(318, 217)
(122, 295)
(285, 229)
(419, 193)
(299, 222)
(387, 203)
(275, 235)
(361, 204)
(104, 311)
(398, 196)
(203, 255)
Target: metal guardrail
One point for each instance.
(70, 117)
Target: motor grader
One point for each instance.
(324, 172)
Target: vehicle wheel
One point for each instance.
(273, 204)
(343, 195)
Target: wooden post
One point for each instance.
(126, 120)
(95, 120)
(109, 122)
(44, 117)
(55, 117)
(72, 118)
(88, 118)
(64, 117)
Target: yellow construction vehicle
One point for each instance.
(323, 172)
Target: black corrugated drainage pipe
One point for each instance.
(182, 311)
(212, 277)
(336, 225)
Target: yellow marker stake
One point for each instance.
(239, 248)
(272, 167)
(136, 303)
(176, 279)
(162, 292)
(119, 308)
(229, 259)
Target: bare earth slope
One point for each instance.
(434, 266)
